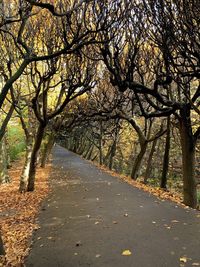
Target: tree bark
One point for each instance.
(47, 149)
(112, 153)
(4, 177)
(138, 160)
(26, 168)
(89, 154)
(5, 122)
(33, 162)
(149, 162)
(188, 158)
(163, 181)
(101, 145)
(2, 251)
(11, 80)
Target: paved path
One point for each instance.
(91, 217)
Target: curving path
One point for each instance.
(91, 218)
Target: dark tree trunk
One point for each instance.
(11, 80)
(2, 251)
(89, 155)
(100, 145)
(47, 149)
(112, 153)
(5, 122)
(163, 181)
(188, 159)
(87, 150)
(149, 161)
(138, 160)
(33, 163)
(82, 146)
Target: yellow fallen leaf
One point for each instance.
(183, 259)
(126, 252)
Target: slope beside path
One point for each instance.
(94, 219)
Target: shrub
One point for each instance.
(16, 143)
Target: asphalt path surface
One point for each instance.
(91, 218)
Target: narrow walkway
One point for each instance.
(91, 218)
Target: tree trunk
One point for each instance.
(89, 155)
(4, 177)
(2, 251)
(82, 147)
(112, 153)
(33, 162)
(26, 168)
(100, 145)
(11, 80)
(138, 160)
(188, 158)
(87, 149)
(148, 169)
(5, 122)
(47, 149)
(163, 182)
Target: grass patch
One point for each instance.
(16, 142)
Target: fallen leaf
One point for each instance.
(126, 215)
(98, 256)
(195, 264)
(126, 252)
(96, 223)
(18, 221)
(115, 222)
(183, 259)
